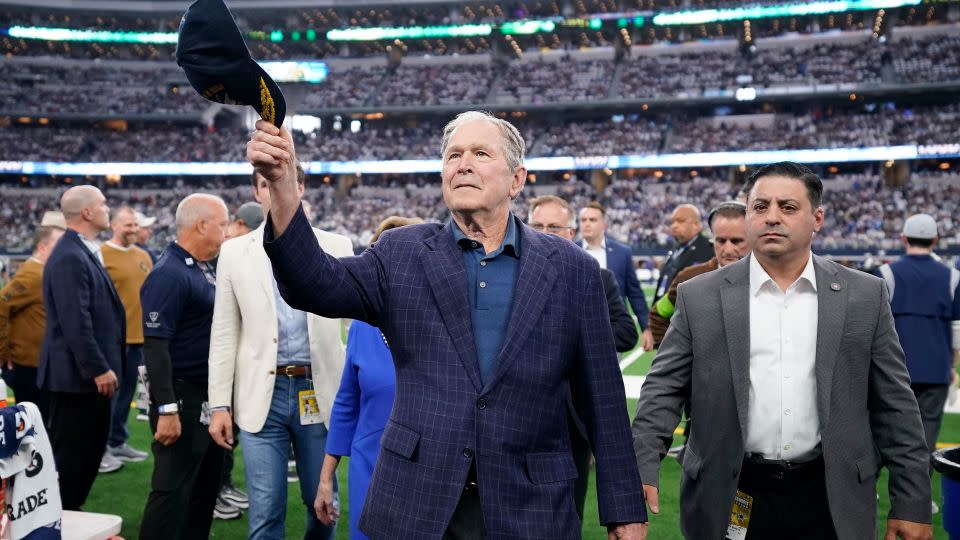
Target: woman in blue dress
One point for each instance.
(360, 412)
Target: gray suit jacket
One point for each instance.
(868, 414)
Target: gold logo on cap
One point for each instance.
(268, 110)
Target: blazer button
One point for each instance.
(482, 403)
(274, 340)
(467, 453)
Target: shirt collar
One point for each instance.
(92, 245)
(510, 244)
(181, 254)
(759, 276)
(116, 246)
(603, 244)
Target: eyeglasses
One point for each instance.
(552, 229)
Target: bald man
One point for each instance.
(692, 247)
(177, 299)
(128, 267)
(84, 344)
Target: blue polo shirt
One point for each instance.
(924, 308)
(177, 299)
(491, 279)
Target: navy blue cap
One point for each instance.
(212, 53)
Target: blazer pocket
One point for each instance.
(692, 464)
(550, 467)
(867, 467)
(400, 439)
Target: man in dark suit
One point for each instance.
(553, 215)
(615, 257)
(84, 344)
(692, 248)
(793, 370)
(491, 325)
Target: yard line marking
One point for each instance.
(631, 358)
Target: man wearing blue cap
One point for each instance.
(925, 300)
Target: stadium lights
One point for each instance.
(310, 72)
(409, 32)
(527, 27)
(746, 94)
(100, 36)
(878, 154)
(704, 16)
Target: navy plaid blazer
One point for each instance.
(412, 285)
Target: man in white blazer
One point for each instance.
(274, 371)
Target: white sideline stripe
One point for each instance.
(633, 383)
(630, 358)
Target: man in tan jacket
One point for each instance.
(128, 266)
(23, 321)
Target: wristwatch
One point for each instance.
(169, 408)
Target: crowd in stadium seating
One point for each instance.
(600, 139)
(555, 82)
(446, 84)
(881, 126)
(861, 213)
(678, 75)
(928, 60)
(884, 126)
(824, 63)
(119, 90)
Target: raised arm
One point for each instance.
(272, 154)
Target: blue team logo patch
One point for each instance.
(153, 320)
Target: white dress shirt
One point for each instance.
(94, 248)
(600, 254)
(782, 419)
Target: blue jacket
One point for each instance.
(86, 326)
(412, 285)
(620, 262)
(360, 412)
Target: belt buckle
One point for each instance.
(289, 371)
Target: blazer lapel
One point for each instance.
(831, 316)
(535, 280)
(443, 266)
(103, 271)
(260, 264)
(735, 303)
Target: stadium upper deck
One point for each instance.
(287, 29)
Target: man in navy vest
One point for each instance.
(925, 301)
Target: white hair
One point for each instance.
(513, 146)
(191, 209)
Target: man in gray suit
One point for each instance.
(794, 371)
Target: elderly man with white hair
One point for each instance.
(177, 300)
(491, 326)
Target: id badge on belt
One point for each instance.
(739, 516)
(309, 410)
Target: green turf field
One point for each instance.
(125, 491)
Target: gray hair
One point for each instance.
(553, 199)
(191, 209)
(513, 146)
